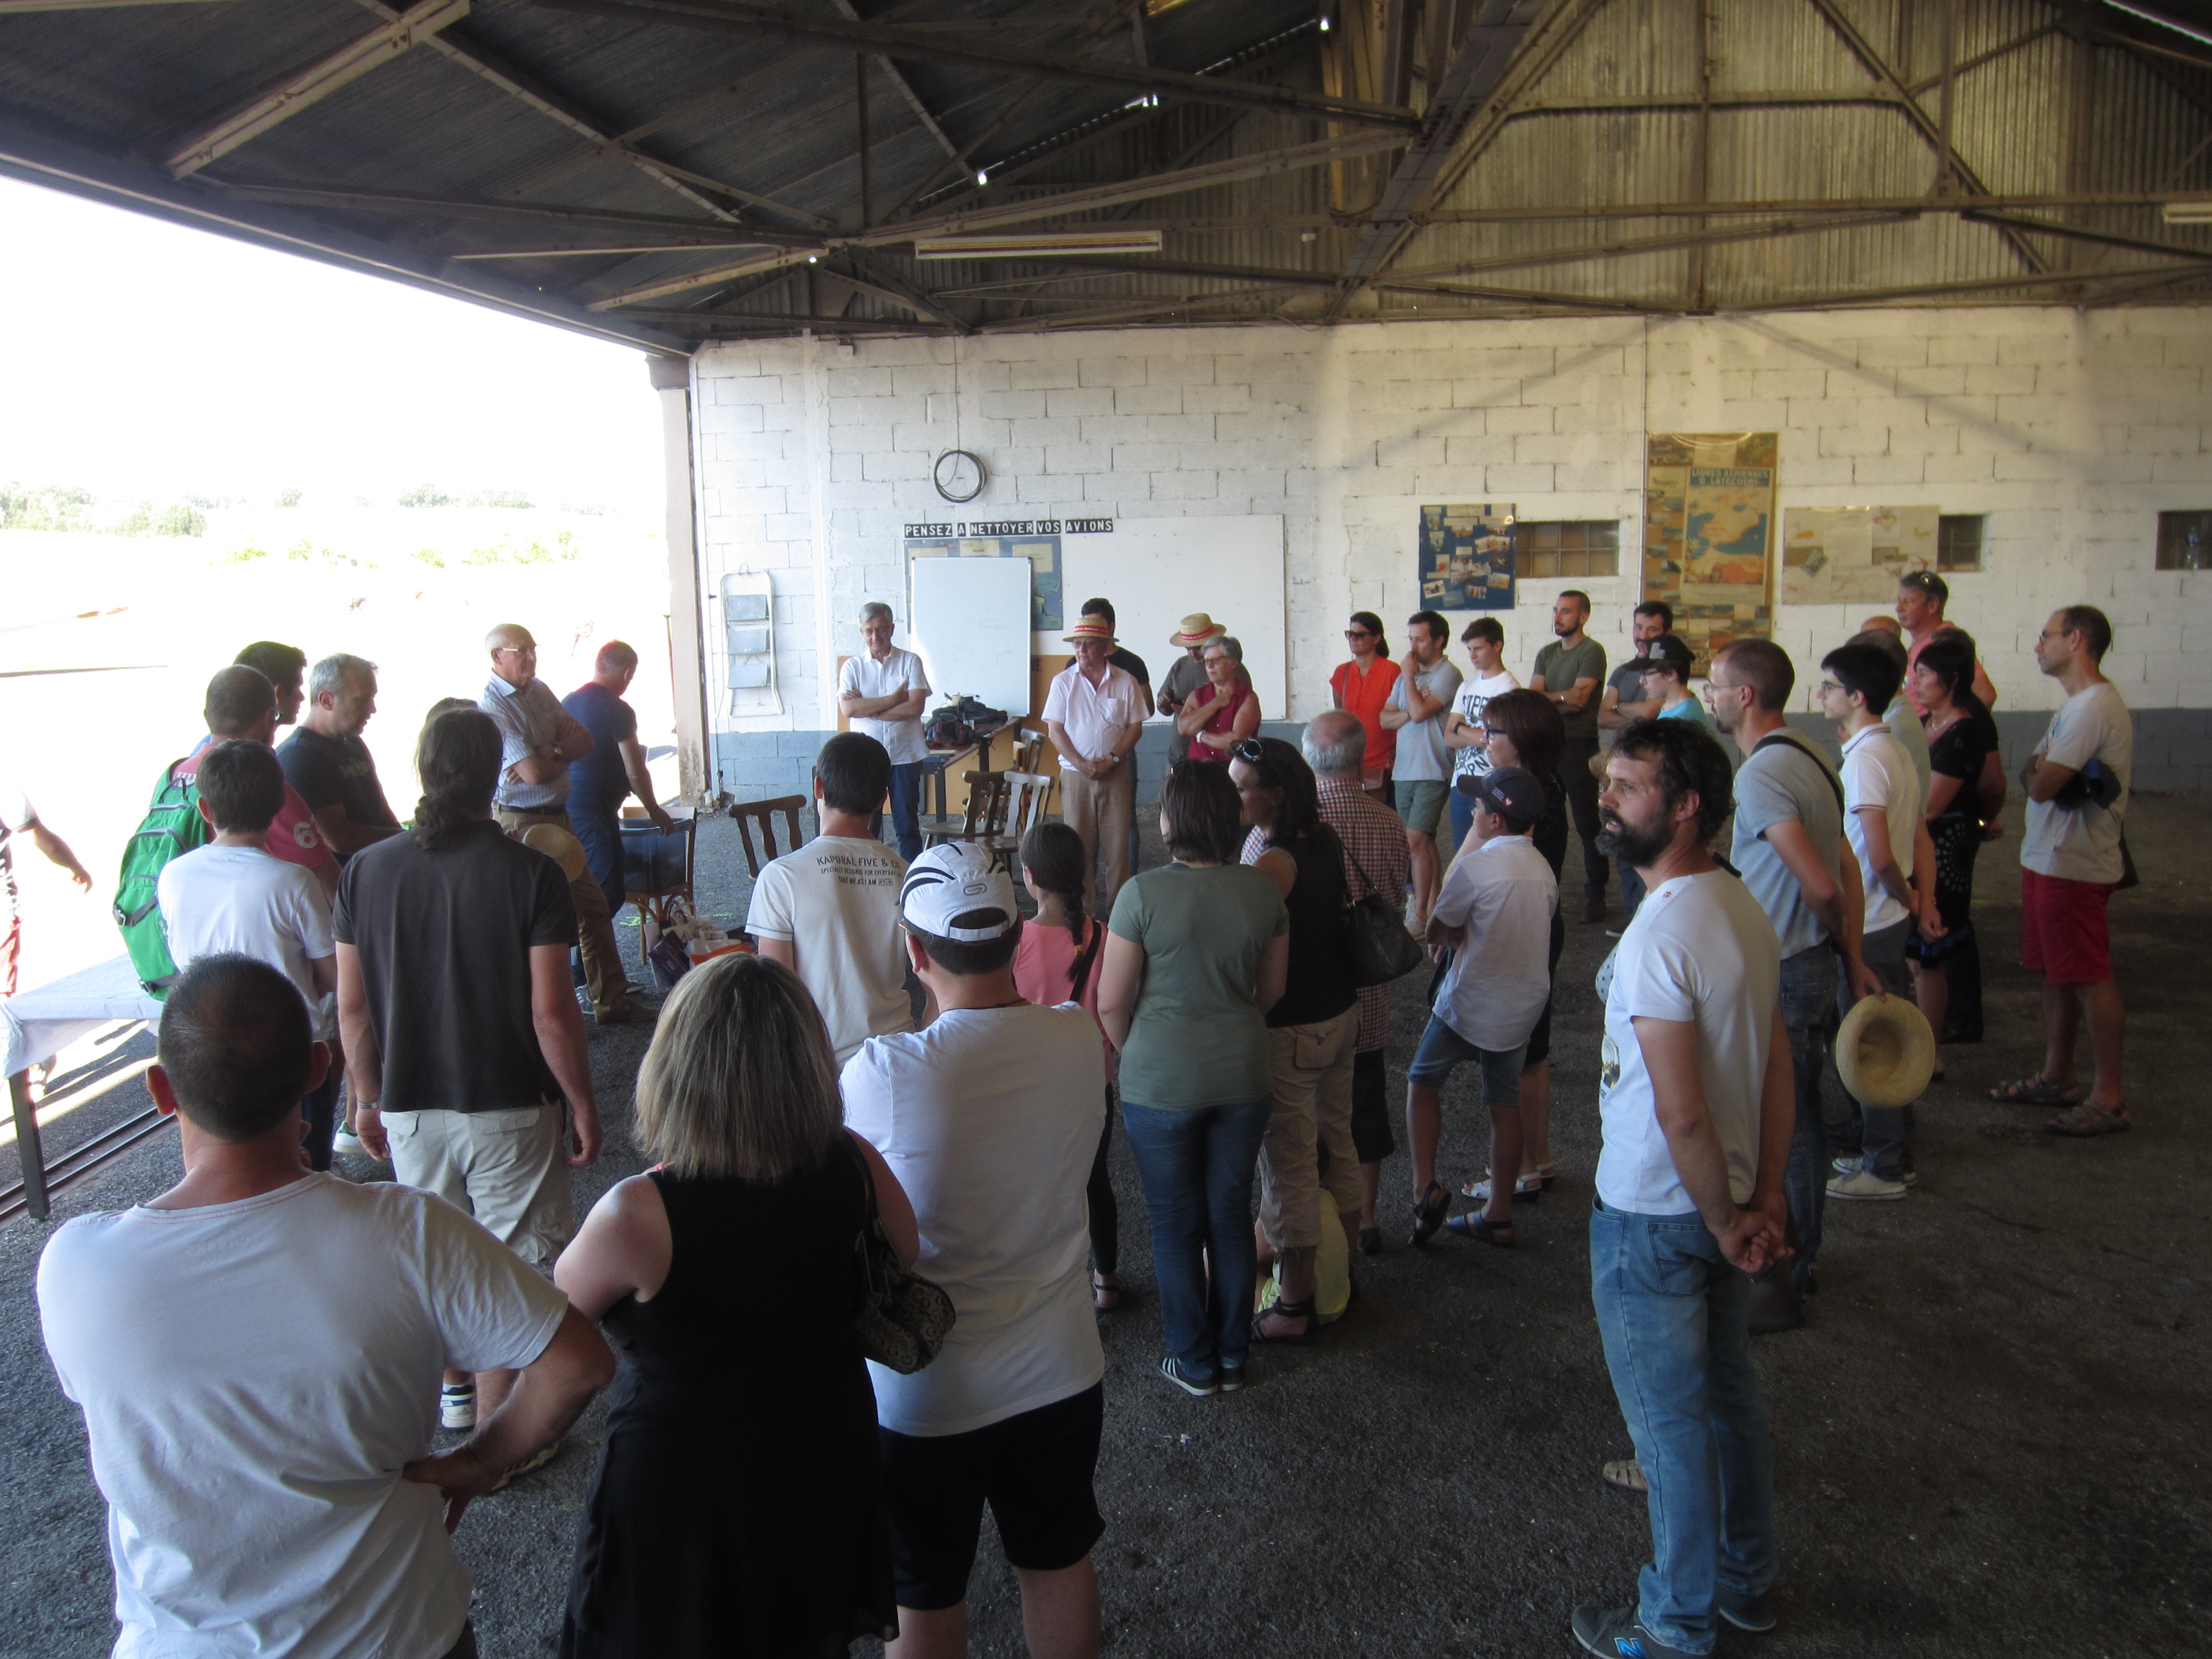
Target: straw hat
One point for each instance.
(1197, 629)
(1597, 763)
(1090, 628)
(557, 844)
(1884, 1052)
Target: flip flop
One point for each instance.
(1624, 1473)
(2090, 1119)
(2034, 1090)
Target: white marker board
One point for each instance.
(970, 621)
(1158, 571)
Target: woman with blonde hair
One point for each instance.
(735, 1508)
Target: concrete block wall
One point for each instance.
(2069, 431)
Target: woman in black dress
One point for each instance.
(735, 1510)
(1966, 793)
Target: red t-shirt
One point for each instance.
(293, 836)
(1363, 695)
(1224, 720)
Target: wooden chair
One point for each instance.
(985, 816)
(759, 816)
(1029, 800)
(1027, 753)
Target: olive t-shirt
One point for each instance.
(445, 941)
(1197, 1038)
(1560, 666)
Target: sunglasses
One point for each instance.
(1360, 633)
(1250, 751)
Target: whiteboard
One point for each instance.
(971, 620)
(1158, 571)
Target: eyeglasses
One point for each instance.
(1828, 686)
(1248, 750)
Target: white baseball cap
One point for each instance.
(950, 880)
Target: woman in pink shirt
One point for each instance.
(1057, 961)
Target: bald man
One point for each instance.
(540, 739)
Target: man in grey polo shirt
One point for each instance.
(1416, 708)
(538, 739)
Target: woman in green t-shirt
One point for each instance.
(1196, 953)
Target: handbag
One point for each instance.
(1378, 948)
(901, 1316)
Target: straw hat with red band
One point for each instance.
(1197, 629)
(1092, 628)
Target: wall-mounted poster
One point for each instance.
(1709, 532)
(1466, 558)
(1041, 551)
(1854, 555)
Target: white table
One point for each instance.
(39, 1023)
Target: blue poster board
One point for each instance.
(1466, 561)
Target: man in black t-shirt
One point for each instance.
(326, 760)
(1133, 666)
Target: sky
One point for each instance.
(140, 359)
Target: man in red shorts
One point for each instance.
(2070, 860)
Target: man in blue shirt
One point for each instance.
(615, 767)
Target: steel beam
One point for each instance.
(1630, 247)
(305, 87)
(708, 233)
(905, 87)
(930, 46)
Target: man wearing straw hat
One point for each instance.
(1094, 714)
(1198, 631)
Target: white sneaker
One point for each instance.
(1862, 1183)
(346, 1143)
(457, 1406)
(1853, 1165)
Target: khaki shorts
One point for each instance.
(1312, 1113)
(507, 1168)
(1422, 805)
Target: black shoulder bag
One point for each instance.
(902, 1318)
(1378, 948)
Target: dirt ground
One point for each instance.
(1990, 1437)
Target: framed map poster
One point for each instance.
(1041, 551)
(1854, 555)
(1709, 536)
(1466, 557)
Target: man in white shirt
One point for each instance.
(1415, 710)
(1495, 915)
(263, 1445)
(1695, 1102)
(230, 896)
(1094, 714)
(2073, 854)
(990, 1119)
(1896, 870)
(1485, 640)
(829, 910)
(538, 741)
(883, 692)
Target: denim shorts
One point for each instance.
(1441, 1051)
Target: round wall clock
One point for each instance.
(959, 475)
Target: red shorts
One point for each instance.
(2062, 931)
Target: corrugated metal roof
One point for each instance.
(628, 125)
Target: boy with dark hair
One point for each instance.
(286, 668)
(232, 1401)
(990, 1117)
(829, 910)
(230, 896)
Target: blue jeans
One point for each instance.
(1808, 1010)
(1196, 1167)
(906, 810)
(1676, 1322)
(1462, 817)
(601, 837)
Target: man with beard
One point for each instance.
(1696, 1105)
(1569, 672)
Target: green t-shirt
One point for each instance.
(1197, 1038)
(1561, 665)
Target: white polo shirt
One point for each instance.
(1094, 714)
(898, 673)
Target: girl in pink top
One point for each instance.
(1057, 960)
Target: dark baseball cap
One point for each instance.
(1509, 791)
(1672, 651)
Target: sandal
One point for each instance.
(1526, 1189)
(1108, 1291)
(2089, 1118)
(1429, 1215)
(1304, 1311)
(2035, 1090)
(1627, 1474)
(1476, 1226)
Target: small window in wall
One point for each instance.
(1567, 547)
(2184, 541)
(1959, 541)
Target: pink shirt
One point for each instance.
(293, 836)
(1043, 960)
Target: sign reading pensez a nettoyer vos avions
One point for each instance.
(1012, 527)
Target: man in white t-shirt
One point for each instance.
(883, 692)
(1416, 710)
(1897, 869)
(990, 1119)
(231, 896)
(1495, 915)
(1696, 1104)
(2071, 857)
(1484, 641)
(263, 1446)
(829, 910)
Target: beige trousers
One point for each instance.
(1312, 1113)
(603, 973)
(1097, 809)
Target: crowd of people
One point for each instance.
(914, 1057)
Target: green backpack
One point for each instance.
(172, 827)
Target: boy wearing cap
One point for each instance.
(1667, 681)
(1094, 714)
(1495, 911)
(990, 1118)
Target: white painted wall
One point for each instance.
(2070, 431)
